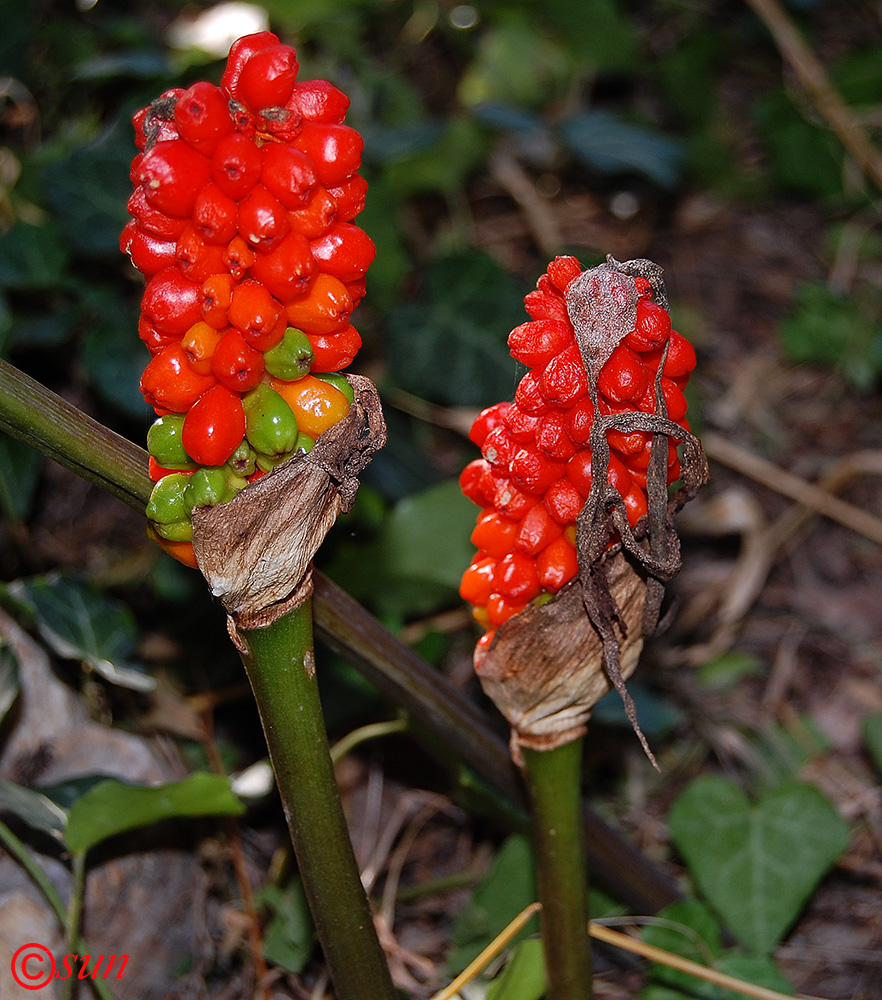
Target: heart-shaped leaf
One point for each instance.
(756, 863)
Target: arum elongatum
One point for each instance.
(244, 196)
(575, 542)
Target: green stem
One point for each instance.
(75, 912)
(25, 859)
(554, 779)
(281, 668)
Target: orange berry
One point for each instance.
(316, 404)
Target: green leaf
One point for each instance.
(416, 561)
(758, 970)
(37, 810)
(516, 63)
(289, 935)
(658, 715)
(844, 331)
(445, 167)
(688, 929)
(78, 622)
(872, 733)
(9, 678)
(89, 188)
(113, 807)
(611, 146)
(508, 888)
(31, 257)
(523, 977)
(757, 864)
(724, 672)
(451, 346)
(20, 467)
(596, 31)
(113, 357)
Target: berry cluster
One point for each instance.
(244, 196)
(535, 473)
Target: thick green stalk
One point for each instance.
(554, 779)
(281, 668)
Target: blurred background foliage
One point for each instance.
(474, 115)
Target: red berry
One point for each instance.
(236, 165)
(241, 51)
(537, 530)
(537, 342)
(556, 565)
(236, 364)
(287, 174)
(552, 437)
(215, 215)
(547, 305)
(173, 174)
(238, 257)
(477, 581)
(217, 293)
(522, 426)
(494, 534)
(256, 315)
(197, 259)
(266, 80)
(149, 254)
(170, 384)
(563, 501)
(624, 377)
(214, 426)
(319, 101)
(564, 380)
(500, 609)
(651, 327)
(349, 197)
(151, 219)
(581, 420)
(335, 151)
(317, 216)
(287, 269)
(263, 220)
(533, 472)
(324, 308)
(486, 421)
(336, 350)
(562, 270)
(344, 251)
(470, 478)
(516, 578)
(171, 302)
(529, 396)
(499, 448)
(202, 117)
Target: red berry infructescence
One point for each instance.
(242, 221)
(535, 474)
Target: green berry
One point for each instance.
(209, 486)
(177, 531)
(165, 444)
(304, 443)
(166, 503)
(339, 382)
(242, 461)
(291, 358)
(270, 424)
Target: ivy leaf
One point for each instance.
(523, 977)
(37, 810)
(756, 863)
(450, 346)
(611, 146)
(78, 622)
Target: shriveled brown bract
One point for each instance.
(256, 551)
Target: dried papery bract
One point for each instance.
(548, 666)
(256, 550)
